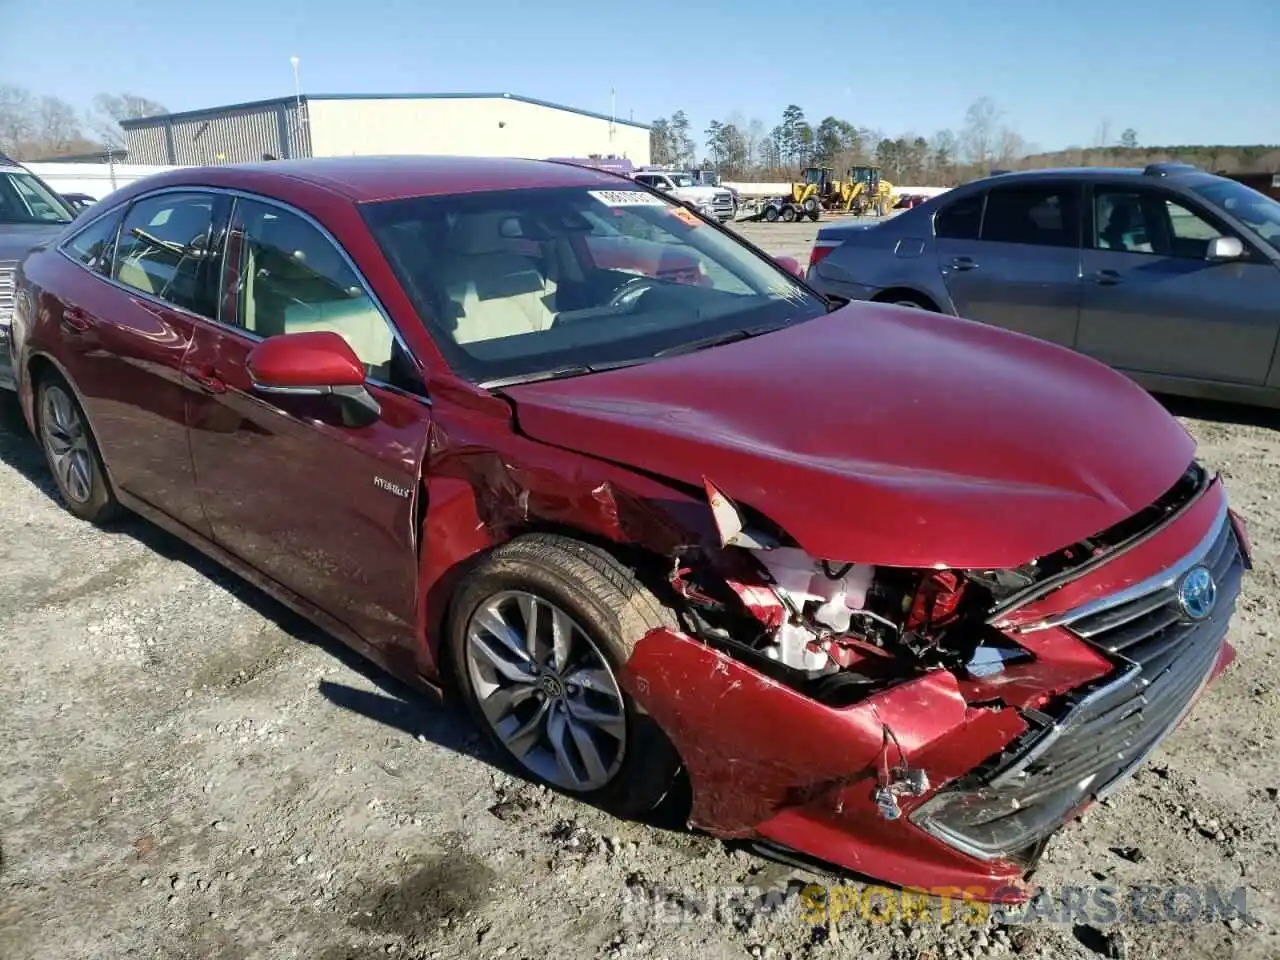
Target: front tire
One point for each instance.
(72, 452)
(539, 635)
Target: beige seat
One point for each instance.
(494, 290)
(357, 321)
(187, 223)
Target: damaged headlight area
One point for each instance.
(835, 629)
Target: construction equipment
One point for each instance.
(862, 190)
(803, 201)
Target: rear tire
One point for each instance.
(72, 452)
(789, 214)
(552, 702)
(770, 214)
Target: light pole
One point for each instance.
(300, 118)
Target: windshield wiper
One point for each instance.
(556, 373)
(720, 339)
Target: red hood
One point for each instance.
(885, 435)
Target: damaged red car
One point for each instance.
(895, 592)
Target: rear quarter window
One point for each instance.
(94, 246)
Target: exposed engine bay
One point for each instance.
(837, 630)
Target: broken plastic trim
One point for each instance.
(731, 523)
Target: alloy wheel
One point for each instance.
(546, 690)
(67, 442)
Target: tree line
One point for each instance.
(746, 149)
(34, 126)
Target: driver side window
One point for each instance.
(290, 278)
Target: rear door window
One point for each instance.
(960, 220)
(165, 250)
(1042, 215)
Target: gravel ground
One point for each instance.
(188, 770)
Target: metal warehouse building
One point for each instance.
(338, 125)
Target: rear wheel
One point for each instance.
(539, 636)
(72, 452)
(907, 300)
(788, 214)
(771, 214)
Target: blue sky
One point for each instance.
(1175, 70)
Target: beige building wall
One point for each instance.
(493, 127)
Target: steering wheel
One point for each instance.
(631, 291)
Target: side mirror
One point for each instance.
(791, 265)
(1225, 248)
(312, 364)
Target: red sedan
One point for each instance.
(892, 590)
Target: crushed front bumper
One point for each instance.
(768, 763)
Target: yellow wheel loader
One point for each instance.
(860, 192)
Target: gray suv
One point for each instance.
(1168, 273)
(30, 213)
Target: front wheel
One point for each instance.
(539, 635)
(72, 453)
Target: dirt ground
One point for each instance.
(187, 770)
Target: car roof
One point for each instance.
(1173, 176)
(366, 179)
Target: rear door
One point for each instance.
(1151, 301)
(325, 506)
(128, 318)
(1011, 257)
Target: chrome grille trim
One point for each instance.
(1162, 580)
(8, 288)
(1106, 729)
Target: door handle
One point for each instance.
(963, 263)
(206, 378)
(1107, 278)
(75, 320)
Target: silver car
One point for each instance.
(1168, 273)
(30, 214)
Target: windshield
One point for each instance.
(525, 284)
(24, 199)
(1257, 210)
(683, 180)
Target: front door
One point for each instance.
(322, 505)
(1152, 302)
(1015, 261)
(128, 320)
